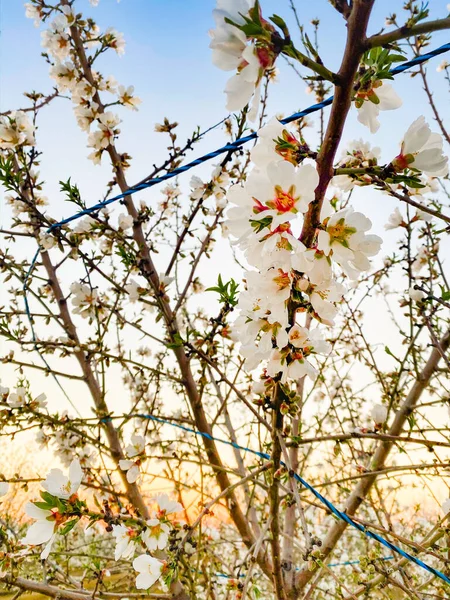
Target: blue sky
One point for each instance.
(168, 61)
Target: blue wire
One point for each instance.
(232, 147)
(335, 511)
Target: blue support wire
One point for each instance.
(233, 147)
(342, 516)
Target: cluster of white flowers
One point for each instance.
(232, 52)
(16, 130)
(265, 219)
(358, 154)
(69, 79)
(60, 503)
(21, 398)
(85, 301)
(155, 535)
(215, 187)
(67, 443)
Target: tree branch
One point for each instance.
(382, 452)
(406, 32)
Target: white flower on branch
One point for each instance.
(324, 298)
(415, 294)
(132, 469)
(395, 219)
(291, 362)
(358, 154)
(156, 534)
(379, 413)
(125, 97)
(16, 130)
(33, 12)
(125, 222)
(47, 241)
(86, 115)
(125, 545)
(381, 96)
(446, 506)
(85, 300)
(4, 391)
(149, 570)
(423, 150)
(64, 486)
(133, 290)
(4, 488)
(55, 39)
(343, 237)
(115, 40)
(136, 447)
(231, 53)
(18, 398)
(264, 208)
(84, 225)
(167, 506)
(421, 260)
(43, 530)
(106, 131)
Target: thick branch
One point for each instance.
(406, 32)
(149, 272)
(354, 49)
(55, 592)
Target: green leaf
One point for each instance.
(227, 291)
(69, 526)
(177, 342)
(73, 193)
(43, 505)
(48, 498)
(445, 294)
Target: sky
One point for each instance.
(168, 61)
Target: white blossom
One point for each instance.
(64, 486)
(232, 53)
(43, 530)
(126, 97)
(395, 219)
(18, 398)
(85, 300)
(415, 294)
(379, 413)
(422, 149)
(33, 12)
(4, 488)
(115, 40)
(156, 534)
(149, 570)
(132, 469)
(125, 545)
(125, 222)
(166, 505)
(345, 239)
(387, 99)
(421, 260)
(16, 130)
(133, 290)
(136, 447)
